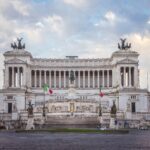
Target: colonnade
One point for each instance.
(60, 78)
(127, 76)
(15, 78)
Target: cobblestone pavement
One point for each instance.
(135, 140)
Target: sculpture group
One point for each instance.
(124, 45)
(19, 45)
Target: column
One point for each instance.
(50, 79)
(69, 77)
(124, 75)
(17, 76)
(12, 76)
(64, 79)
(135, 76)
(107, 78)
(79, 79)
(7, 76)
(40, 78)
(98, 83)
(35, 78)
(103, 83)
(24, 77)
(44, 77)
(93, 79)
(59, 79)
(54, 78)
(129, 77)
(83, 78)
(88, 79)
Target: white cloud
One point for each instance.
(76, 3)
(40, 24)
(22, 8)
(110, 16)
(19, 6)
(148, 21)
(55, 24)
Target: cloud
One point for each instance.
(22, 8)
(110, 16)
(110, 19)
(55, 24)
(76, 3)
(148, 21)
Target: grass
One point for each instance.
(75, 130)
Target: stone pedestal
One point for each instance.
(112, 123)
(14, 116)
(30, 124)
(72, 92)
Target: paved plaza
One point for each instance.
(135, 140)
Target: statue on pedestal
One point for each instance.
(72, 77)
(113, 110)
(113, 121)
(30, 109)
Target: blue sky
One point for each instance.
(87, 28)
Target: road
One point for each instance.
(135, 140)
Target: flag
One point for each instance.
(45, 87)
(50, 91)
(101, 94)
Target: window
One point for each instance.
(9, 107)
(133, 96)
(9, 97)
(133, 107)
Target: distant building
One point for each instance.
(77, 103)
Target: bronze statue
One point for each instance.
(72, 77)
(30, 109)
(113, 109)
(124, 45)
(19, 45)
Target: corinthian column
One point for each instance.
(79, 78)
(107, 78)
(50, 79)
(64, 79)
(93, 79)
(54, 78)
(124, 75)
(35, 78)
(88, 79)
(129, 76)
(40, 78)
(59, 79)
(83, 79)
(18, 77)
(98, 84)
(103, 78)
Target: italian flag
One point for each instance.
(47, 89)
(101, 94)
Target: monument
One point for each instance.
(72, 91)
(30, 121)
(113, 116)
(75, 82)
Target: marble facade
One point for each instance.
(24, 77)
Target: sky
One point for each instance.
(84, 28)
